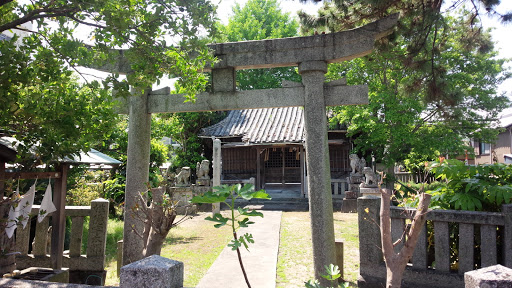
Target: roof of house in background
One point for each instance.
(506, 118)
(261, 126)
(508, 158)
(92, 157)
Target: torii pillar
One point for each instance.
(317, 161)
(311, 54)
(137, 171)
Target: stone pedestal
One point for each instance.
(489, 277)
(351, 195)
(355, 179)
(349, 206)
(153, 271)
(369, 191)
(203, 182)
(184, 194)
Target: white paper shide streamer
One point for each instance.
(25, 205)
(47, 205)
(14, 213)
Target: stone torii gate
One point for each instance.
(311, 54)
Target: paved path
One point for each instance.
(260, 263)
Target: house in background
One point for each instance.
(268, 144)
(501, 150)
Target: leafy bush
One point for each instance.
(87, 188)
(481, 187)
(463, 187)
(407, 195)
(113, 191)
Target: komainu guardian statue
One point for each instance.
(356, 164)
(203, 173)
(371, 179)
(183, 178)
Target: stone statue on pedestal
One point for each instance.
(370, 186)
(183, 178)
(357, 165)
(203, 173)
(371, 179)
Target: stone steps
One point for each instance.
(281, 204)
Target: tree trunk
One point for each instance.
(394, 273)
(159, 221)
(154, 244)
(396, 262)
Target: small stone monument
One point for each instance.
(492, 276)
(203, 173)
(183, 178)
(153, 271)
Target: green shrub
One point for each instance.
(87, 188)
(481, 187)
(463, 187)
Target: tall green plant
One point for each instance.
(463, 187)
(481, 187)
(228, 195)
(185, 128)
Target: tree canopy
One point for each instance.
(43, 104)
(432, 83)
(259, 20)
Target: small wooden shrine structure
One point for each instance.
(268, 144)
(8, 155)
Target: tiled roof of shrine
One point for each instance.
(261, 126)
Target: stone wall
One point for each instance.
(81, 266)
(431, 265)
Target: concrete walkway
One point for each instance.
(260, 262)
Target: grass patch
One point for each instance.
(295, 259)
(346, 228)
(114, 233)
(195, 242)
